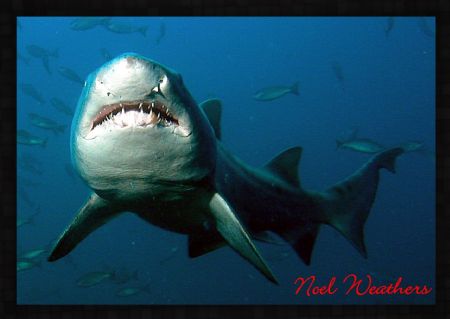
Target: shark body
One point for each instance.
(144, 146)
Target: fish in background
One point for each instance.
(26, 264)
(31, 91)
(417, 147)
(122, 28)
(20, 57)
(94, 278)
(172, 253)
(46, 123)
(43, 54)
(132, 291)
(88, 23)
(34, 254)
(31, 164)
(425, 27)
(26, 138)
(390, 22)
(70, 74)
(338, 72)
(30, 220)
(362, 145)
(275, 92)
(61, 106)
(105, 54)
(162, 32)
(123, 276)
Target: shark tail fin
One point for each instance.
(339, 144)
(294, 88)
(347, 204)
(44, 142)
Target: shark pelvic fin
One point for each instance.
(213, 111)
(347, 204)
(236, 236)
(208, 241)
(285, 166)
(302, 238)
(92, 215)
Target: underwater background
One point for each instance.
(372, 75)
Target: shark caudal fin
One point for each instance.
(347, 204)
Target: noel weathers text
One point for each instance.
(352, 284)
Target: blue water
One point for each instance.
(387, 92)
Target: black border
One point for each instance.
(440, 9)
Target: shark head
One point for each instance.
(138, 132)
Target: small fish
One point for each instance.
(46, 123)
(94, 278)
(162, 32)
(70, 74)
(59, 105)
(172, 253)
(39, 52)
(123, 276)
(33, 254)
(125, 28)
(275, 92)
(88, 23)
(31, 91)
(43, 54)
(337, 70)
(27, 221)
(362, 145)
(417, 147)
(390, 21)
(132, 291)
(30, 164)
(26, 138)
(105, 54)
(26, 264)
(425, 27)
(412, 146)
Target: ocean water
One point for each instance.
(373, 74)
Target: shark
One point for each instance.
(143, 145)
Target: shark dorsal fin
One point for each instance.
(285, 165)
(213, 110)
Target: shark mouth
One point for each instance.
(140, 113)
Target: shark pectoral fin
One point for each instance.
(236, 236)
(285, 166)
(213, 111)
(92, 215)
(205, 242)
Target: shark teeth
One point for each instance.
(135, 114)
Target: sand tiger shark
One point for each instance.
(143, 145)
